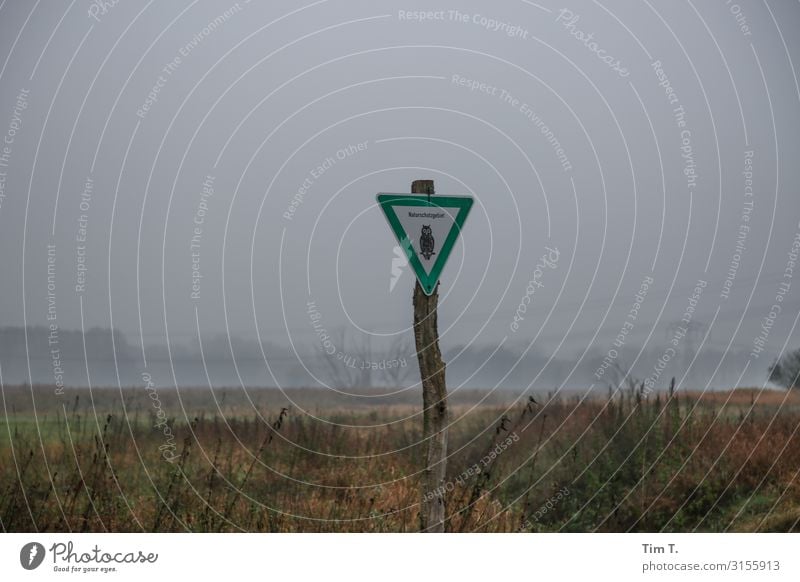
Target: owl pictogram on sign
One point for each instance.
(426, 242)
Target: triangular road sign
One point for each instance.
(426, 227)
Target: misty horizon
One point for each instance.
(208, 171)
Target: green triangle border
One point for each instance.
(388, 203)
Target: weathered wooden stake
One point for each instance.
(434, 397)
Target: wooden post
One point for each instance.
(434, 398)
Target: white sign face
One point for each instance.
(427, 228)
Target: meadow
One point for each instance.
(313, 460)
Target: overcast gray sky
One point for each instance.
(158, 147)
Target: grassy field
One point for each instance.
(315, 460)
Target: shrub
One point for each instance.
(785, 371)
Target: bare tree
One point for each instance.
(356, 362)
(399, 354)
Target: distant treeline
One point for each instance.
(105, 357)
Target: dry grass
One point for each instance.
(710, 462)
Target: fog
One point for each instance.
(201, 178)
